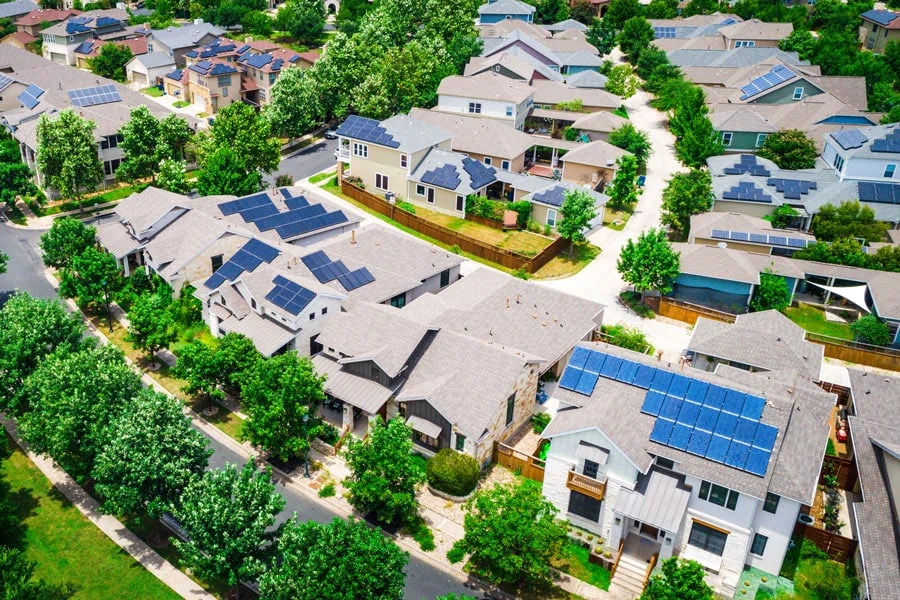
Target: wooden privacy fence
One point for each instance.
(500, 256)
(486, 222)
(689, 313)
(856, 352)
(836, 546)
(842, 468)
(528, 466)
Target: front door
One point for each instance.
(649, 531)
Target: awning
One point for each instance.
(424, 426)
(591, 452)
(557, 115)
(367, 395)
(854, 293)
(659, 500)
(268, 336)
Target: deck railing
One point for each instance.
(586, 485)
(612, 571)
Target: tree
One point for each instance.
(630, 138)
(636, 36)
(258, 23)
(772, 293)
(782, 216)
(281, 396)
(150, 325)
(225, 173)
(846, 251)
(511, 535)
(152, 455)
(237, 356)
(316, 561)
(623, 192)
(651, 57)
(4, 259)
(688, 104)
(199, 366)
(225, 514)
(686, 194)
(66, 239)
(699, 141)
(680, 580)
(624, 336)
(67, 158)
(602, 36)
(848, 220)
(302, 19)
(577, 211)
(147, 141)
(173, 176)
(237, 150)
(800, 41)
(583, 12)
(92, 276)
(621, 81)
(295, 107)
(650, 263)
(661, 9)
(17, 580)
(383, 474)
(173, 138)
(72, 398)
(790, 149)
(551, 11)
(111, 61)
(15, 176)
(700, 7)
(30, 329)
(871, 330)
(620, 11)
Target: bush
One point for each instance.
(624, 336)
(422, 534)
(548, 230)
(829, 448)
(533, 226)
(539, 422)
(485, 208)
(453, 472)
(523, 208)
(404, 205)
(329, 433)
(327, 490)
(284, 180)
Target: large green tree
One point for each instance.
(679, 580)
(172, 176)
(302, 19)
(226, 515)
(601, 34)
(111, 61)
(238, 127)
(620, 11)
(66, 239)
(630, 138)
(67, 155)
(871, 330)
(686, 194)
(790, 149)
(146, 141)
(224, 172)
(576, 213)
(551, 11)
(237, 356)
(295, 107)
(699, 141)
(383, 474)
(280, 396)
(583, 12)
(623, 191)
(661, 9)
(92, 276)
(850, 219)
(772, 293)
(649, 263)
(15, 176)
(199, 367)
(340, 560)
(150, 325)
(511, 535)
(636, 36)
(17, 580)
(151, 456)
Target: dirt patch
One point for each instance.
(453, 510)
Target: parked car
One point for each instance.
(331, 134)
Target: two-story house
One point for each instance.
(89, 49)
(261, 70)
(178, 41)
(562, 55)
(32, 23)
(213, 84)
(868, 153)
(502, 10)
(661, 462)
(879, 27)
(61, 40)
(487, 95)
(592, 164)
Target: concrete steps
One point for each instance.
(629, 578)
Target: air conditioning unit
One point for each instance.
(805, 519)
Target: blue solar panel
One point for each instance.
(595, 362)
(889, 143)
(611, 367)
(445, 176)
(653, 402)
(757, 461)
(29, 97)
(257, 213)
(627, 372)
(679, 386)
(715, 396)
(718, 448)
(644, 376)
(775, 76)
(737, 455)
(291, 216)
(235, 206)
(707, 418)
(103, 94)
(312, 224)
(670, 408)
(230, 270)
(662, 429)
(680, 436)
(330, 271)
(725, 424)
(295, 203)
(765, 436)
(688, 414)
(745, 430)
(356, 279)
(570, 378)
(661, 381)
(315, 260)
(479, 174)
(215, 281)
(368, 130)
(697, 391)
(849, 139)
(699, 442)
(586, 383)
(5, 82)
(288, 295)
(262, 250)
(734, 401)
(245, 260)
(753, 407)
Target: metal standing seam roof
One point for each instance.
(363, 393)
(267, 335)
(424, 426)
(659, 499)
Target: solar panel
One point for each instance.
(679, 386)
(480, 175)
(757, 461)
(586, 383)
(254, 214)
(661, 381)
(29, 97)
(315, 260)
(759, 238)
(680, 436)
(740, 236)
(889, 143)
(92, 96)
(699, 442)
(368, 130)
(289, 295)
(753, 407)
(627, 372)
(611, 367)
(737, 455)
(580, 356)
(235, 206)
(688, 414)
(715, 396)
(215, 281)
(295, 203)
(594, 362)
(670, 408)
(653, 402)
(312, 224)
(765, 436)
(723, 234)
(778, 240)
(734, 401)
(4, 82)
(644, 376)
(718, 448)
(706, 419)
(796, 243)
(774, 76)
(663, 33)
(697, 391)
(725, 424)
(262, 250)
(745, 430)
(356, 279)
(662, 430)
(849, 139)
(331, 271)
(230, 271)
(245, 260)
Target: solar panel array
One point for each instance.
(760, 238)
(880, 193)
(106, 21)
(776, 75)
(445, 176)
(849, 139)
(5, 82)
(300, 218)
(289, 296)
(250, 256)
(102, 94)
(792, 189)
(728, 21)
(324, 269)
(368, 130)
(480, 175)
(29, 97)
(664, 33)
(73, 28)
(294, 58)
(708, 420)
(889, 143)
(747, 164)
(746, 191)
(310, 224)
(553, 196)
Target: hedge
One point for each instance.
(452, 472)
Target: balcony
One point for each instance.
(586, 485)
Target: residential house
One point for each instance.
(36, 19)
(754, 33)
(875, 436)
(178, 41)
(751, 234)
(587, 79)
(503, 28)
(487, 95)
(563, 55)
(443, 180)
(554, 95)
(149, 69)
(547, 202)
(19, 39)
(175, 84)
(503, 10)
(212, 85)
(598, 125)
(869, 154)
(61, 40)
(734, 58)
(592, 164)
(565, 26)
(660, 462)
(89, 49)
(512, 63)
(717, 32)
(879, 27)
(756, 342)
(17, 8)
(263, 69)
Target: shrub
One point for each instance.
(548, 230)
(485, 208)
(570, 133)
(523, 208)
(533, 226)
(453, 472)
(539, 422)
(404, 205)
(329, 433)
(521, 273)
(422, 534)
(829, 448)
(284, 180)
(327, 490)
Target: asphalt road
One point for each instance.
(25, 271)
(308, 161)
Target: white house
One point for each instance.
(488, 95)
(148, 69)
(869, 153)
(711, 467)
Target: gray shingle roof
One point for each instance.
(362, 393)
(737, 57)
(186, 35)
(506, 7)
(413, 134)
(872, 134)
(475, 135)
(16, 8)
(486, 86)
(144, 209)
(152, 60)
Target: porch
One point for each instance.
(344, 416)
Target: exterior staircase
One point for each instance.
(628, 581)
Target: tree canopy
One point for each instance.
(772, 293)
(636, 36)
(302, 19)
(172, 176)
(621, 81)
(92, 275)
(66, 239)
(224, 172)
(686, 194)
(790, 149)
(850, 219)
(623, 192)
(871, 330)
(601, 34)
(67, 156)
(111, 61)
(576, 213)
(620, 11)
(15, 176)
(151, 326)
(630, 138)
(295, 106)
(649, 263)
(147, 141)
(680, 580)
(17, 580)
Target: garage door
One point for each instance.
(58, 58)
(140, 78)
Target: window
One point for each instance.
(590, 469)
(488, 160)
(798, 93)
(224, 92)
(225, 81)
(504, 165)
(509, 111)
(253, 303)
(110, 166)
(324, 310)
(771, 503)
(420, 189)
(838, 163)
(758, 547)
(745, 44)
(312, 316)
(665, 463)
(430, 196)
(726, 138)
(716, 494)
(381, 181)
(262, 95)
(398, 301)
(761, 139)
(216, 262)
(460, 442)
(428, 441)
(707, 538)
(510, 408)
(584, 506)
(475, 108)
(551, 217)
(445, 278)
(889, 170)
(272, 77)
(360, 150)
(404, 160)
(460, 203)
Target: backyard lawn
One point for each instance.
(578, 565)
(616, 219)
(69, 548)
(86, 202)
(563, 266)
(812, 319)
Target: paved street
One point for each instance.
(25, 271)
(308, 161)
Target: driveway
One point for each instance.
(600, 280)
(307, 161)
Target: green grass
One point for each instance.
(622, 112)
(197, 331)
(563, 266)
(153, 92)
(67, 547)
(812, 319)
(322, 176)
(576, 562)
(109, 196)
(15, 215)
(180, 103)
(616, 219)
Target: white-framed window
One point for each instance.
(404, 160)
(488, 160)
(726, 138)
(889, 171)
(475, 108)
(761, 139)
(509, 111)
(504, 165)
(798, 93)
(460, 203)
(838, 162)
(360, 150)
(551, 217)
(420, 189)
(381, 182)
(719, 495)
